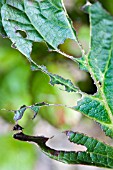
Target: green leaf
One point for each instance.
(47, 21)
(55, 79)
(14, 20)
(50, 16)
(41, 21)
(99, 61)
(94, 108)
(26, 22)
(35, 108)
(2, 32)
(51, 19)
(19, 113)
(101, 41)
(97, 153)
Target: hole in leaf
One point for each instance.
(87, 85)
(55, 143)
(45, 57)
(70, 47)
(22, 33)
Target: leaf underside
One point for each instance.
(47, 21)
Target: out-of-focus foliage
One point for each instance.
(16, 155)
(26, 85)
(27, 88)
(14, 80)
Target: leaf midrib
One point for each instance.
(40, 32)
(106, 68)
(100, 89)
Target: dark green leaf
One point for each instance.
(100, 66)
(26, 22)
(97, 153)
(51, 19)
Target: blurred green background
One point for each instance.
(18, 86)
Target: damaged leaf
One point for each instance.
(2, 32)
(97, 153)
(26, 22)
(56, 79)
(35, 108)
(17, 127)
(40, 20)
(17, 18)
(99, 107)
(19, 113)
